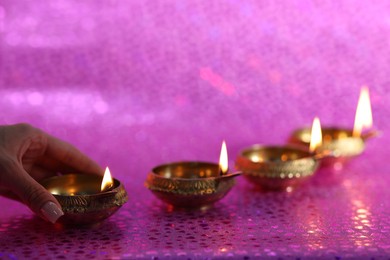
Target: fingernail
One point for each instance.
(51, 211)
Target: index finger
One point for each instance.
(70, 156)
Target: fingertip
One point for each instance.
(51, 211)
(37, 198)
(33, 194)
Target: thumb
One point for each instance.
(35, 196)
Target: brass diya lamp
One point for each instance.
(280, 167)
(342, 143)
(86, 199)
(192, 184)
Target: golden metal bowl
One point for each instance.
(189, 184)
(338, 141)
(276, 167)
(81, 198)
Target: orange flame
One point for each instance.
(363, 117)
(107, 181)
(316, 135)
(223, 159)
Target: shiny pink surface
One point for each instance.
(138, 83)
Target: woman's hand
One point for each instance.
(28, 155)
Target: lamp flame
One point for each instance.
(107, 181)
(363, 116)
(223, 159)
(316, 135)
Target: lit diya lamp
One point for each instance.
(192, 184)
(86, 199)
(281, 167)
(343, 143)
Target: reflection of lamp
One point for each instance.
(360, 215)
(314, 229)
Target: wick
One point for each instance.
(221, 173)
(108, 188)
(370, 134)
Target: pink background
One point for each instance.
(137, 83)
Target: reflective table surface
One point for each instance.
(137, 84)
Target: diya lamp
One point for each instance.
(192, 184)
(343, 143)
(86, 199)
(281, 167)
